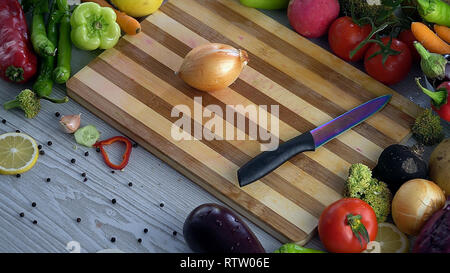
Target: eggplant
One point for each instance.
(398, 164)
(211, 228)
(434, 237)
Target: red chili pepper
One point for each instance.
(18, 63)
(440, 101)
(126, 155)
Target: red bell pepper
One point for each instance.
(18, 63)
(126, 155)
(439, 99)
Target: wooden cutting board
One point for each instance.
(134, 87)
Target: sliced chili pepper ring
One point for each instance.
(126, 155)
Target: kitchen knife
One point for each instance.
(268, 161)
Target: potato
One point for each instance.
(440, 166)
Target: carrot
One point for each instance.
(128, 24)
(429, 39)
(443, 32)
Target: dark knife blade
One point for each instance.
(268, 161)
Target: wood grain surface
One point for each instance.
(134, 87)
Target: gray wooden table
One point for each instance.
(158, 200)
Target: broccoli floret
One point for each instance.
(427, 128)
(361, 185)
(27, 101)
(373, 9)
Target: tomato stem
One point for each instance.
(358, 228)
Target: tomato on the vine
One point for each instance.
(408, 38)
(345, 35)
(395, 66)
(347, 225)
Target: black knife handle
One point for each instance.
(268, 161)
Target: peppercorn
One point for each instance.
(175, 233)
(85, 179)
(18, 131)
(18, 175)
(33, 204)
(83, 174)
(113, 201)
(73, 161)
(4, 121)
(22, 214)
(130, 184)
(86, 154)
(97, 150)
(145, 230)
(161, 205)
(49, 143)
(39, 146)
(42, 152)
(135, 145)
(57, 114)
(139, 240)
(78, 220)
(34, 222)
(113, 171)
(113, 239)
(48, 180)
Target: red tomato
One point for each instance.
(344, 36)
(395, 68)
(335, 228)
(444, 110)
(408, 38)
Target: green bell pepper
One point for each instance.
(294, 248)
(266, 4)
(94, 27)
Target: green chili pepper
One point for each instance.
(434, 11)
(62, 72)
(94, 27)
(294, 248)
(44, 83)
(265, 4)
(41, 44)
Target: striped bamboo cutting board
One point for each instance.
(135, 88)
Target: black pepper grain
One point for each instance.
(78, 220)
(22, 214)
(85, 179)
(135, 145)
(18, 131)
(161, 205)
(33, 204)
(73, 161)
(42, 152)
(4, 121)
(49, 143)
(39, 146)
(57, 114)
(139, 240)
(113, 171)
(34, 222)
(86, 154)
(175, 233)
(83, 174)
(97, 150)
(18, 175)
(130, 184)
(48, 180)
(113, 239)
(145, 230)
(113, 201)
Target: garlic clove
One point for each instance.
(213, 66)
(70, 124)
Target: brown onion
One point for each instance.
(414, 203)
(213, 66)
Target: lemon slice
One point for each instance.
(391, 239)
(18, 153)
